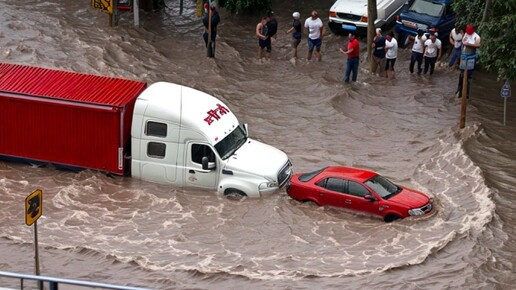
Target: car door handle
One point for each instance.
(191, 171)
(321, 193)
(348, 201)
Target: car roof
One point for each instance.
(349, 172)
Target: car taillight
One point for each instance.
(363, 19)
(333, 14)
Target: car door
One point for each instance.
(330, 191)
(355, 199)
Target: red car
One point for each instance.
(359, 190)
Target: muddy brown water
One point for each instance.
(125, 231)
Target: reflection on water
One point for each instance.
(121, 230)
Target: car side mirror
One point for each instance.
(369, 197)
(207, 165)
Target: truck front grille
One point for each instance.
(285, 174)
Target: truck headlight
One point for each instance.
(265, 185)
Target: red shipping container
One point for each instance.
(66, 118)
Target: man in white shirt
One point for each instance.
(456, 43)
(417, 51)
(315, 28)
(432, 52)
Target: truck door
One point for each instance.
(158, 156)
(195, 175)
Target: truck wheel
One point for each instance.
(234, 193)
(390, 218)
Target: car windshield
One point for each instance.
(383, 186)
(427, 7)
(227, 146)
(307, 176)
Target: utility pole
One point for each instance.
(372, 14)
(208, 48)
(464, 101)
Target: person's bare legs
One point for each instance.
(260, 53)
(318, 54)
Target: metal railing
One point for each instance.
(53, 283)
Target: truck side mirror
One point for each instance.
(246, 129)
(207, 165)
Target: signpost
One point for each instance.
(505, 93)
(33, 210)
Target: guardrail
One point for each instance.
(53, 283)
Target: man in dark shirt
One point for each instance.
(215, 19)
(272, 25)
(378, 46)
(296, 32)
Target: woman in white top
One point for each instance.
(391, 45)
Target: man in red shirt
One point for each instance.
(353, 59)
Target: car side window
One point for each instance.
(199, 151)
(357, 189)
(335, 184)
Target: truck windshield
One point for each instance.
(383, 186)
(227, 146)
(427, 7)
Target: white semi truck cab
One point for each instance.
(185, 137)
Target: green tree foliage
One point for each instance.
(498, 33)
(247, 6)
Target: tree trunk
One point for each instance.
(372, 14)
(487, 11)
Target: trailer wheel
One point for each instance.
(233, 193)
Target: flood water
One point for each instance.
(125, 231)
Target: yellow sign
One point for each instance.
(33, 206)
(104, 5)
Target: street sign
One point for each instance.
(505, 92)
(467, 61)
(33, 206)
(104, 5)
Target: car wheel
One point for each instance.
(310, 202)
(233, 193)
(390, 218)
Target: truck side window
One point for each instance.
(156, 129)
(156, 150)
(199, 151)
